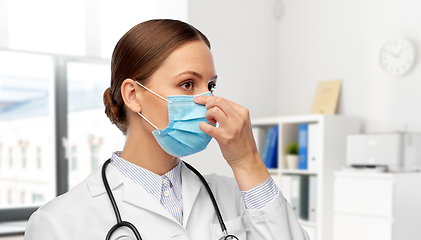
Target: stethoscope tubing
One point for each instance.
(108, 189)
(215, 205)
(121, 223)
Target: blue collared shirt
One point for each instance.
(167, 190)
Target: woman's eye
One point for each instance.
(211, 86)
(187, 85)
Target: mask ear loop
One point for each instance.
(159, 132)
(156, 94)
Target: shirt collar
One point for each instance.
(150, 181)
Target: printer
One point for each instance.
(397, 152)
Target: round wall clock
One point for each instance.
(397, 56)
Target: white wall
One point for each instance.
(394, 101)
(326, 39)
(245, 44)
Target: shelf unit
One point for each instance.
(331, 157)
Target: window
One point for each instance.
(37, 198)
(24, 157)
(90, 133)
(10, 157)
(39, 158)
(9, 197)
(51, 102)
(74, 158)
(77, 22)
(26, 121)
(62, 31)
(22, 197)
(94, 157)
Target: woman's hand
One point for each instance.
(235, 138)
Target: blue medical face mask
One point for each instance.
(182, 136)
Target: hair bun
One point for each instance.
(111, 108)
(108, 103)
(114, 111)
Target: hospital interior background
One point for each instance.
(269, 55)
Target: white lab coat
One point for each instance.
(85, 212)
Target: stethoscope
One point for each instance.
(129, 225)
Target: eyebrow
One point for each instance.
(198, 75)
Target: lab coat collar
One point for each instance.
(94, 181)
(137, 196)
(191, 186)
(133, 193)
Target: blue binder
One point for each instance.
(302, 146)
(266, 147)
(272, 155)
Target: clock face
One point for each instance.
(397, 56)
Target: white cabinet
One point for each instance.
(329, 146)
(377, 206)
(362, 228)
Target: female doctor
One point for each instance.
(162, 79)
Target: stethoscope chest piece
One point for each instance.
(228, 237)
(125, 237)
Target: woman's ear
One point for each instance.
(130, 96)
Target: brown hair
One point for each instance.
(138, 54)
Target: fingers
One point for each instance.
(227, 107)
(216, 114)
(232, 118)
(209, 129)
(218, 107)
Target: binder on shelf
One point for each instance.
(286, 187)
(312, 147)
(272, 154)
(304, 197)
(312, 199)
(299, 196)
(266, 146)
(302, 146)
(295, 194)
